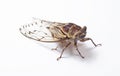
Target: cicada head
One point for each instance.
(83, 32)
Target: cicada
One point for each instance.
(48, 31)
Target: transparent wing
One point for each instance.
(38, 31)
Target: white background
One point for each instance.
(20, 56)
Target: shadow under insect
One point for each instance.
(69, 47)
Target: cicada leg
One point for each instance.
(86, 39)
(63, 51)
(78, 49)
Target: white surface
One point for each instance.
(20, 56)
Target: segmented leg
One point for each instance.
(63, 50)
(78, 49)
(86, 39)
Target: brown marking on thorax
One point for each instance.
(67, 27)
(71, 29)
(74, 29)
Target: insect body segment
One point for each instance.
(47, 31)
(71, 30)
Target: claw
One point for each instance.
(98, 45)
(58, 58)
(54, 49)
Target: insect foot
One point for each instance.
(98, 45)
(59, 58)
(83, 57)
(54, 49)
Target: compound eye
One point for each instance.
(82, 35)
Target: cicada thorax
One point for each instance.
(65, 30)
(71, 30)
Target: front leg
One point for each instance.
(86, 39)
(75, 43)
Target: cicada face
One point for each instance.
(83, 32)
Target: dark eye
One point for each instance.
(82, 35)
